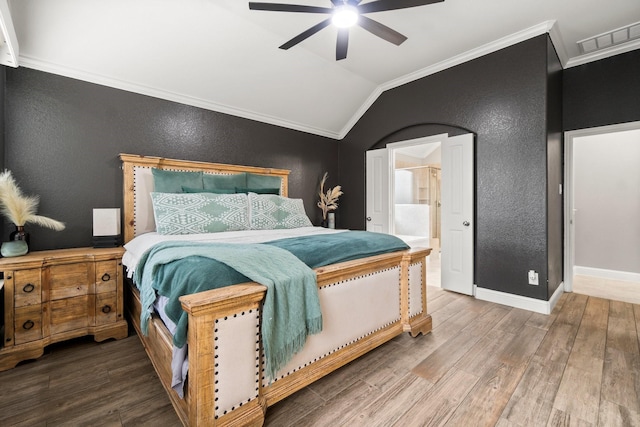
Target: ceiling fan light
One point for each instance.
(344, 16)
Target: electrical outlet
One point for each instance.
(533, 277)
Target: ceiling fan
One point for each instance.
(344, 14)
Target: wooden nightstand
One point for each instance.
(52, 296)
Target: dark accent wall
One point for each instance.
(602, 93)
(502, 98)
(63, 137)
(555, 175)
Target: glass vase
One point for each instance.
(20, 234)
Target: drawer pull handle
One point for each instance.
(106, 277)
(28, 325)
(28, 288)
(106, 309)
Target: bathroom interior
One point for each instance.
(416, 195)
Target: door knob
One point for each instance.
(466, 223)
(368, 218)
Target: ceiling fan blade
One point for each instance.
(281, 7)
(305, 34)
(382, 31)
(342, 43)
(381, 5)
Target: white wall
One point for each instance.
(403, 191)
(607, 201)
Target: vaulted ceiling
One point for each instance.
(219, 55)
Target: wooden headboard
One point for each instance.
(138, 184)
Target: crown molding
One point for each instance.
(604, 53)
(520, 36)
(469, 55)
(558, 44)
(102, 80)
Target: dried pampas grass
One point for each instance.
(329, 200)
(21, 209)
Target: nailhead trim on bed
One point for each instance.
(264, 380)
(422, 278)
(135, 186)
(257, 373)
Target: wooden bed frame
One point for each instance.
(226, 383)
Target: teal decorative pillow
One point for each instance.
(258, 190)
(211, 190)
(271, 212)
(192, 213)
(224, 182)
(256, 181)
(166, 181)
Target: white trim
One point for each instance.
(418, 141)
(549, 27)
(569, 238)
(518, 301)
(558, 44)
(604, 53)
(103, 80)
(625, 276)
(469, 55)
(569, 244)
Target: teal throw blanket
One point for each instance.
(291, 309)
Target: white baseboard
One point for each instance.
(602, 273)
(518, 301)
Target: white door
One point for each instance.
(378, 185)
(457, 214)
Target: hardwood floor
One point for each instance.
(617, 290)
(484, 364)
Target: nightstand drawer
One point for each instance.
(69, 280)
(106, 308)
(28, 324)
(69, 314)
(106, 276)
(28, 288)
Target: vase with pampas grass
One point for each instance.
(329, 199)
(21, 209)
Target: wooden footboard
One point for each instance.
(226, 383)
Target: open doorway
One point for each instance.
(445, 223)
(416, 193)
(417, 200)
(602, 234)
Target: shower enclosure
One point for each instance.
(417, 201)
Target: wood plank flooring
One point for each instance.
(617, 290)
(484, 364)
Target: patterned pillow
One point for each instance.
(271, 212)
(191, 213)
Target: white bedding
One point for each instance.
(140, 244)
